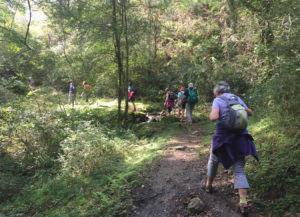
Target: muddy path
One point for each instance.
(177, 179)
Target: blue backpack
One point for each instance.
(180, 94)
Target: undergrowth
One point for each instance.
(60, 161)
(275, 178)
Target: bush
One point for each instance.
(6, 95)
(87, 148)
(35, 139)
(279, 153)
(9, 180)
(17, 86)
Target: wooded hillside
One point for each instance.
(50, 157)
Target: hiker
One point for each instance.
(131, 95)
(86, 91)
(31, 83)
(169, 101)
(228, 146)
(190, 97)
(71, 98)
(180, 103)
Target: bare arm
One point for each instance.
(214, 114)
(249, 111)
(166, 98)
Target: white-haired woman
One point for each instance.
(229, 147)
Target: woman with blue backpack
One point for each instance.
(181, 103)
(231, 141)
(131, 95)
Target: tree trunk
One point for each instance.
(127, 63)
(117, 45)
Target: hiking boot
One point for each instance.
(244, 209)
(207, 189)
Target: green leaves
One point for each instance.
(86, 149)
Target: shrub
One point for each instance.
(17, 86)
(87, 148)
(6, 95)
(32, 136)
(9, 181)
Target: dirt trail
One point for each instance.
(177, 179)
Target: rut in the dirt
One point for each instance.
(177, 179)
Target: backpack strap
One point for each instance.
(224, 99)
(228, 107)
(230, 102)
(170, 93)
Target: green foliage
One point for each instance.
(29, 143)
(146, 131)
(86, 149)
(253, 45)
(17, 86)
(136, 118)
(6, 95)
(30, 136)
(45, 195)
(155, 107)
(78, 162)
(9, 179)
(166, 120)
(279, 153)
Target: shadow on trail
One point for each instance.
(177, 178)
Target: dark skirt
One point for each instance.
(229, 146)
(132, 99)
